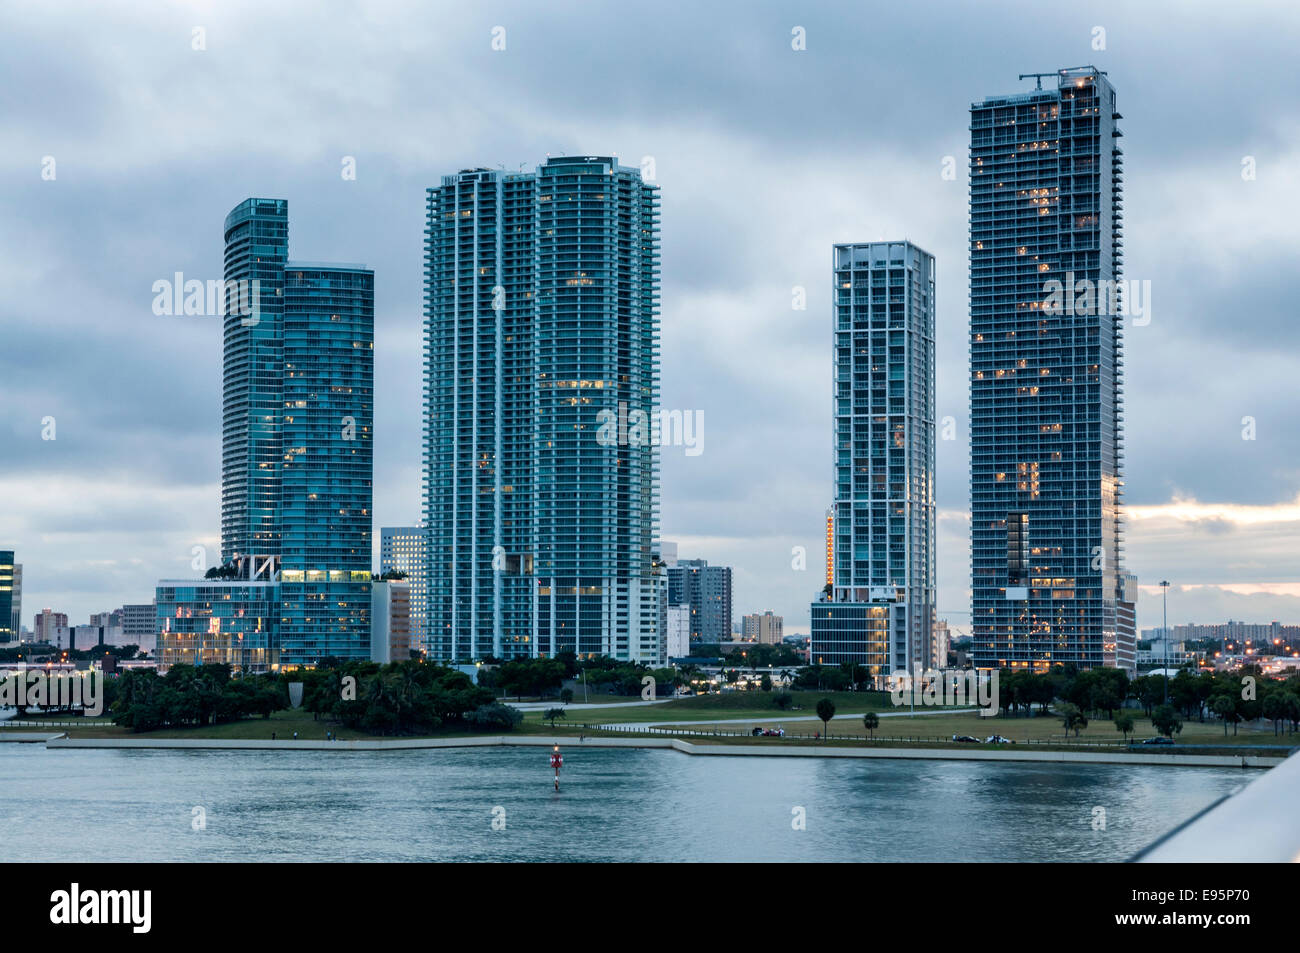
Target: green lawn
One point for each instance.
(932, 728)
(704, 712)
(753, 704)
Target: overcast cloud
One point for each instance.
(766, 156)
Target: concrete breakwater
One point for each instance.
(674, 744)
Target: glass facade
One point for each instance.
(854, 632)
(211, 621)
(297, 459)
(1046, 379)
(327, 466)
(8, 613)
(541, 311)
(405, 549)
(882, 537)
(257, 246)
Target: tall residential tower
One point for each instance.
(880, 608)
(1046, 373)
(541, 312)
(296, 467)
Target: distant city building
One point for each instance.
(46, 624)
(830, 546)
(16, 621)
(880, 612)
(1046, 190)
(668, 553)
(209, 621)
(405, 549)
(942, 640)
(707, 590)
(678, 632)
(61, 636)
(140, 626)
(762, 627)
(111, 619)
(296, 493)
(1155, 654)
(1237, 633)
(9, 594)
(542, 325)
(86, 637)
(390, 610)
(1123, 652)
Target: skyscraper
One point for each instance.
(880, 610)
(8, 630)
(17, 621)
(1046, 373)
(541, 311)
(327, 467)
(296, 491)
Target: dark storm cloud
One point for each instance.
(766, 156)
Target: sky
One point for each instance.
(130, 130)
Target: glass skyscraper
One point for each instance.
(327, 461)
(541, 311)
(10, 597)
(298, 415)
(1046, 189)
(880, 608)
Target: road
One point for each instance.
(642, 725)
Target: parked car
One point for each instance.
(1159, 740)
(998, 740)
(967, 739)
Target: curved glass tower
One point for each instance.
(298, 415)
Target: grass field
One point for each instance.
(706, 713)
(941, 728)
(727, 705)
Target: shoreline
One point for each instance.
(61, 741)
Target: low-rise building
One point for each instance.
(764, 627)
(236, 621)
(390, 621)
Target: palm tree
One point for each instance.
(871, 721)
(826, 711)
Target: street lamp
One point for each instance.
(1164, 632)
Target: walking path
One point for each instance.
(855, 716)
(576, 706)
(569, 743)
